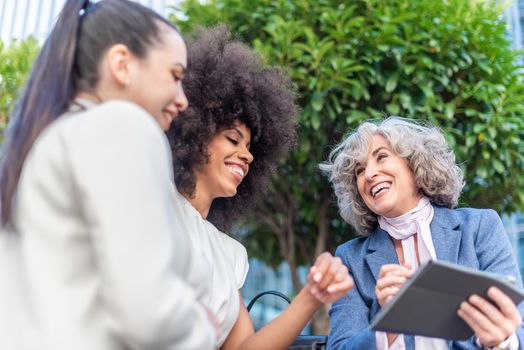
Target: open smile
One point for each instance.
(237, 170)
(379, 189)
(169, 115)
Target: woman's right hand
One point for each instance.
(391, 278)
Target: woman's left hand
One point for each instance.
(329, 279)
(491, 324)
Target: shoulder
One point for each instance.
(466, 217)
(235, 252)
(117, 115)
(115, 120)
(353, 249)
(234, 248)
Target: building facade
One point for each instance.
(21, 18)
(514, 224)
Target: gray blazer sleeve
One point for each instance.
(495, 254)
(349, 316)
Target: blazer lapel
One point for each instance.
(446, 234)
(380, 251)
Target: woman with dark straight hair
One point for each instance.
(86, 186)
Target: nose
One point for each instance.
(181, 102)
(370, 172)
(246, 156)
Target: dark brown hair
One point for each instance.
(67, 64)
(227, 82)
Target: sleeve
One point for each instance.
(124, 181)
(241, 263)
(494, 254)
(349, 318)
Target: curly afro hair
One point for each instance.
(227, 82)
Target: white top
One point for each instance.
(226, 260)
(105, 257)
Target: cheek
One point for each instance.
(361, 187)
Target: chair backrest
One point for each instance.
(302, 342)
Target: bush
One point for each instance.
(448, 62)
(15, 63)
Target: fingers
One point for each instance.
(316, 272)
(395, 269)
(325, 269)
(329, 278)
(391, 278)
(477, 320)
(341, 282)
(506, 306)
(341, 285)
(386, 294)
(491, 324)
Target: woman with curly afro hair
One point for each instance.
(226, 146)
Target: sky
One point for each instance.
(21, 18)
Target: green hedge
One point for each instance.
(15, 63)
(448, 62)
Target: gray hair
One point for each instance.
(437, 176)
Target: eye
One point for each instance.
(359, 170)
(177, 76)
(232, 140)
(382, 156)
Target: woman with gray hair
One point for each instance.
(398, 184)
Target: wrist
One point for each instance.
(504, 345)
(309, 299)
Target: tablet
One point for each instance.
(427, 303)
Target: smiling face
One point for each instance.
(228, 165)
(385, 181)
(156, 81)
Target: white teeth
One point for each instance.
(235, 169)
(378, 187)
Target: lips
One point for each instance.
(237, 170)
(169, 115)
(379, 188)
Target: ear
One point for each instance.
(120, 63)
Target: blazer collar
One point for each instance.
(445, 232)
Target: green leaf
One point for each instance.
(499, 168)
(317, 101)
(392, 83)
(315, 120)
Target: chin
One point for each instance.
(229, 194)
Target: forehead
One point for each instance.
(377, 141)
(365, 146)
(172, 46)
(242, 127)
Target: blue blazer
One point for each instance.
(469, 237)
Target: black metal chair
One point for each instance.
(302, 342)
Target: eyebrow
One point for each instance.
(379, 149)
(240, 134)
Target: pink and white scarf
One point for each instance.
(404, 227)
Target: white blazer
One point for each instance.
(103, 254)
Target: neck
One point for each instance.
(201, 202)
(93, 97)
